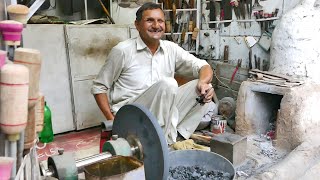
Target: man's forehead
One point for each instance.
(152, 12)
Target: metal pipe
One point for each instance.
(20, 149)
(81, 163)
(13, 153)
(86, 9)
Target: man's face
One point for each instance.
(152, 25)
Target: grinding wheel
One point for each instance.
(136, 120)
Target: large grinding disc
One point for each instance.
(136, 120)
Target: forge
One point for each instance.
(294, 110)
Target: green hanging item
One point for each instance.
(46, 135)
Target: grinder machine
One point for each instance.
(135, 133)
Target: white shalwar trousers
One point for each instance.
(175, 108)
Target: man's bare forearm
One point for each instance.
(205, 74)
(103, 103)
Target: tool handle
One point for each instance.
(226, 54)
(195, 33)
(234, 74)
(200, 139)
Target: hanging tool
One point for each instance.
(212, 13)
(226, 54)
(107, 12)
(250, 58)
(255, 62)
(235, 5)
(256, 6)
(194, 37)
(227, 12)
(235, 70)
(242, 12)
(191, 18)
(248, 4)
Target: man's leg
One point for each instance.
(190, 111)
(160, 100)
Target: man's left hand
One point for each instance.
(206, 90)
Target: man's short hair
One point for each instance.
(144, 7)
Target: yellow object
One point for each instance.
(189, 144)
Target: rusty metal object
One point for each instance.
(117, 167)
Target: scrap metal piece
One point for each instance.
(135, 120)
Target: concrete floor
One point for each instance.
(82, 143)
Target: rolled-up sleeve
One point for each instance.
(109, 73)
(187, 64)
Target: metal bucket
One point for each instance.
(208, 160)
(116, 168)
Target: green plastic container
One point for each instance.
(46, 135)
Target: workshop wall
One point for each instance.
(239, 35)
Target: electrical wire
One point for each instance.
(214, 72)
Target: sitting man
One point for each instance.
(141, 70)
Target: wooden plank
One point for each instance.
(271, 74)
(226, 71)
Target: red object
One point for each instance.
(235, 70)
(221, 15)
(105, 136)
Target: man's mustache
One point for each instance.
(156, 30)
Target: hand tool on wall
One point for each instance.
(235, 5)
(227, 11)
(266, 23)
(107, 12)
(212, 13)
(255, 62)
(262, 24)
(235, 70)
(250, 59)
(194, 37)
(259, 63)
(249, 8)
(265, 66)
(226, 54)
(256, 6)
(242, 11)
(191, 18)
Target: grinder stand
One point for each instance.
(136, 133)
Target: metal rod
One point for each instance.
(168, 10)
(81, 163)
(86, 9)
(20, 149)
(245, 20)
(13, 153)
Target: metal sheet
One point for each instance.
(54, 78)
(88, 47)
(136, 120)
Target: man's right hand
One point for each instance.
(103, 103)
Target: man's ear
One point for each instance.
(136, 23)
